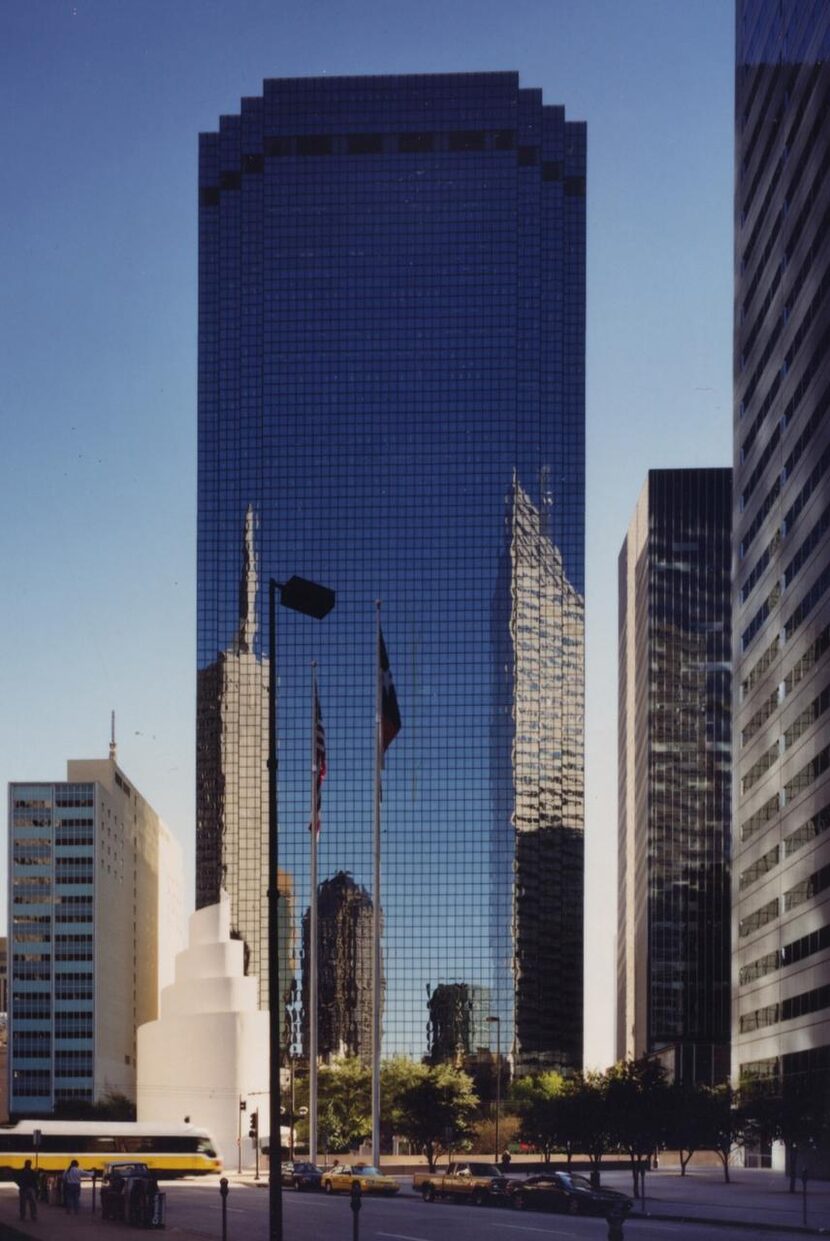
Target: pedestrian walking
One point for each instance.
(26, 1186)
(72, 1178)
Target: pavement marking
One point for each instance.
(549, 1232)
(400, 1236)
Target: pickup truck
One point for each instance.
(479, 1183)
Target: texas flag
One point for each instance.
(319, 755)
(390, 716)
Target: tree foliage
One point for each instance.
(795, 1115)
(344, 1105)
(689, 1121)
(545, 1104)
(636, 1098)
(111, 1106)
(435, 1110)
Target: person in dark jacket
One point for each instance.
(26, 1187)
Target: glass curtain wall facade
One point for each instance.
(781, 886)
(675, 754)
(391, 403)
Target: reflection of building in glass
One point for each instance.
(673, 987)
(95, 919)
(543, 685)
(232, 776)
(344, 981)
(392, 283)
(457, 1022)
(781, 598)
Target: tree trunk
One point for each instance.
(684, 1162)
(635, 1172)
(724, 1158)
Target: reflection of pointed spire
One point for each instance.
(248, 585)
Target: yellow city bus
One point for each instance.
(168, 1150)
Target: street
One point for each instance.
(318, 1217)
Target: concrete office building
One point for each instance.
(391, 399)
(673, 955)
(781, 568)
(95, 919)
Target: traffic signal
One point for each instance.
(253, 1132)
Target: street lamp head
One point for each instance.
(307, 597)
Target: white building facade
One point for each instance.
(95, 901)
(208, 1051)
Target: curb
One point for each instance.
(730, 1223)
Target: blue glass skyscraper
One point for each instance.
(391, 403)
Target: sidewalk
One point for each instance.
(753, 1198)
(53, 1223)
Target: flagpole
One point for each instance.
(312, 937)
(376, 954)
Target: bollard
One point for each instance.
(615, 1226)
(355, 1205)
(94, 1185)
(223, 1190)
(804, 1196)
(643, 1188)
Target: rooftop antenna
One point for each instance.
(112, 736)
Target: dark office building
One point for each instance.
(391, 403)
(675, 754)
(781, 568)
(344, 912)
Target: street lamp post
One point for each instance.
(317, 601)
(497, 1022)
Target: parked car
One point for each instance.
(566, 1191)
(301, 1175)
(479, 1183)
(344, 1175)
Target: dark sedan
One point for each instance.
(301, 1175)
(568, 1192)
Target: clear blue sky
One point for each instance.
(101, 102)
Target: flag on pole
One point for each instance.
(390, 716)
(319, 755)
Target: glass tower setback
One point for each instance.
(675, 754)
(781, 568)
(391, 403)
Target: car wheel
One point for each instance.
(328, 1187)
(573, 1206)
(519, 1202)
(428, 1193)
(479, 1198)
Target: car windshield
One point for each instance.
(367, 1170)
(484, 1169)
(580, 1182)
(303, 1167)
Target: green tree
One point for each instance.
(111, 1106)
(688, 1128)
(795, 1115)
(435, 1111)
(545, 1104)
(344, 1105)
(725, 1124)
(589, 1118)
(636, 1097)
